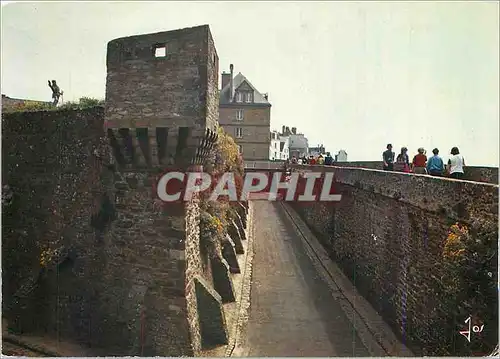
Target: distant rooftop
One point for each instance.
(238, 80)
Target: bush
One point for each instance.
(228, 158)
(33, 106)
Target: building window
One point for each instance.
(239, 115)
(239, 97)
(239, 132)
(160, 50)
(240, 149)
(248, 97)
(275, 145)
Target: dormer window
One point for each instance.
(244, 96)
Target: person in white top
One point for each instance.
(456, 164)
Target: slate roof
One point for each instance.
(238, 80)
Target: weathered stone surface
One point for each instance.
(229, 255)
(240, 226)
(234, 235)
(472, 173)
(222, 279)
(211, 313)
(128, 287)
(392, 246)
(55, 166)
(177, 91)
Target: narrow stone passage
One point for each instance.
(292, 311)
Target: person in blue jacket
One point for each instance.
(435, 165)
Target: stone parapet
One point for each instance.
(392, 233)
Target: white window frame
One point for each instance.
(239, 132)
(238, 117)
(240, 149)
(239, 97)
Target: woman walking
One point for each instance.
(456, 164)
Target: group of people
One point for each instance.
(314, 160)
(420, 164)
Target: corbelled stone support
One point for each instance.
(212, 319)
(222, 279)
(234, 234)
(230, 256)
(153, 147)
(139, 158)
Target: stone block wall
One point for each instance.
(55, 180)
(472, 173)
(389, 234)
(130, 284)
(162, 104)
(149, 257)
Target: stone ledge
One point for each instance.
(458, 199)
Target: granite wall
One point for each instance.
(472, 173)
(395, 236)
(88, 253)
(161, 92)
(55, 190)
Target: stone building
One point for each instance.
(245, 114)
(161, 109)
(341, 156)
(297, 142)
(316, 151)
(278, 150)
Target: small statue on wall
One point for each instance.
(56, 92)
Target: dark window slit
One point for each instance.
(142, 138)
(181, 142)
(127, 142)
(161, 140)
(116, 147)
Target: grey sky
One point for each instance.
(349, 75)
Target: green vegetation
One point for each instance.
(216, 216)
(33, 106)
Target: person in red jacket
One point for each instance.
(419, 162)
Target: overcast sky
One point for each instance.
(354, 76)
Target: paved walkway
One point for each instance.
(292, 311)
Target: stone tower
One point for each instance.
(161, 111)
(162, 97)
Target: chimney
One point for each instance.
(294, 130)
(283, 130)
(266, 96)
(231, 86)
(225, 79)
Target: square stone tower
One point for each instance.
(162, 97)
